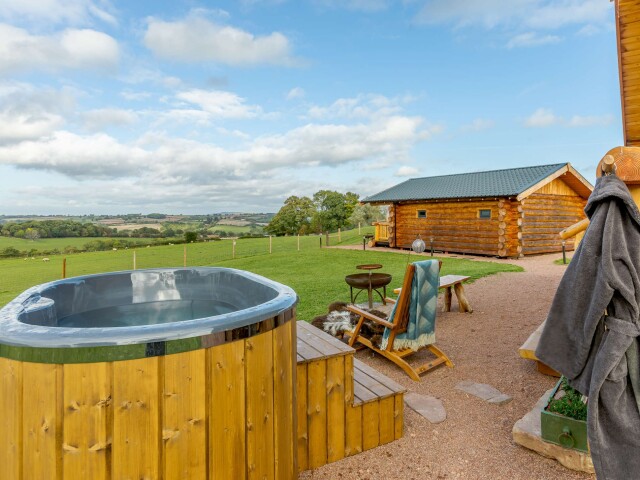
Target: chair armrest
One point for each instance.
(369, 316)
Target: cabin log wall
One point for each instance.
(545, 216)
(526, 227)
(453, 225)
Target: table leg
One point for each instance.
(384, 294)
(447, 299)
(351, 291)
(463, 303)
(370, 292)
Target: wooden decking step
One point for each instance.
(344, 406)
(371, 385)
(314, 344)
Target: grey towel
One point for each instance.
(598, 353)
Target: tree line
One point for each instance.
(326, 211)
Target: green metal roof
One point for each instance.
(495, 183)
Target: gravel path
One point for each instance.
(475, 440)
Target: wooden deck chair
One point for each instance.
(397, 324)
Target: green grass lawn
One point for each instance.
(59, 243)
(317, 275)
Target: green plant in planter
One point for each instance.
(570, 404)
(563, 420)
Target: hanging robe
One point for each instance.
(598, 353)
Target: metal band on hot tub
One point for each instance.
(113, 353)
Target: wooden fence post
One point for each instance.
(134, 259)
(339, 236)
(298, 242)
(269, 243)
(184, 256)
(233, 253)
(359, 232)
(64, 267)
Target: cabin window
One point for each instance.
(422, 213)
(484, 213)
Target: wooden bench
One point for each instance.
(528, 351)
(344, 407)
(448, 282)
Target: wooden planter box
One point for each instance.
(564, 431)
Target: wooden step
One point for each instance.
(370, 385)
(343, 406)
(314, 344)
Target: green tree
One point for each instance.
(190, 237)
(31, 234)
(365, 214)
(333, 209)
(294, 217)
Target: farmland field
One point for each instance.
(59, 243)
(317, 275)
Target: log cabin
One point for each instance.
(504, 213)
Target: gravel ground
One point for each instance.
(474, 442)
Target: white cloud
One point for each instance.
(542, 117)
(296, 92)
(196, 39)
(590, 120)
(406, 171)
(135, 96)
(362, 106)
(75, 12)
(99, 119)
(588, 31)
(94, 156)
(16, 127)
(28, 113)
(537, 14)
(531, 39)
(361, 5)
(478, 125)
(74, 49)
(220, 104)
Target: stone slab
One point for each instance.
(527, 432)
(484, 391)
(429, 407)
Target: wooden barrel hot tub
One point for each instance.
(170, 373)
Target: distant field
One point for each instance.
(59, 243)
(230, 228)
(135, 226)
(317, 275)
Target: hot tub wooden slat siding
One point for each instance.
(87, 420)
(344, 407)
(217, 413)
(184, 415)
(227, 414)
(136, 418)
(11, 418)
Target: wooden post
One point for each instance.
(269, 243)
(184, 256)
(233, 252)
(298, 242)
(339, 236)
(134, 259)
(64, 267)
(359, 227)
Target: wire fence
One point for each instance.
(18, 274)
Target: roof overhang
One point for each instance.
(568, 175)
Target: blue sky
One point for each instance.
(194, 107)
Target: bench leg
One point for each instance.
(463, 303)
(447, 299)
